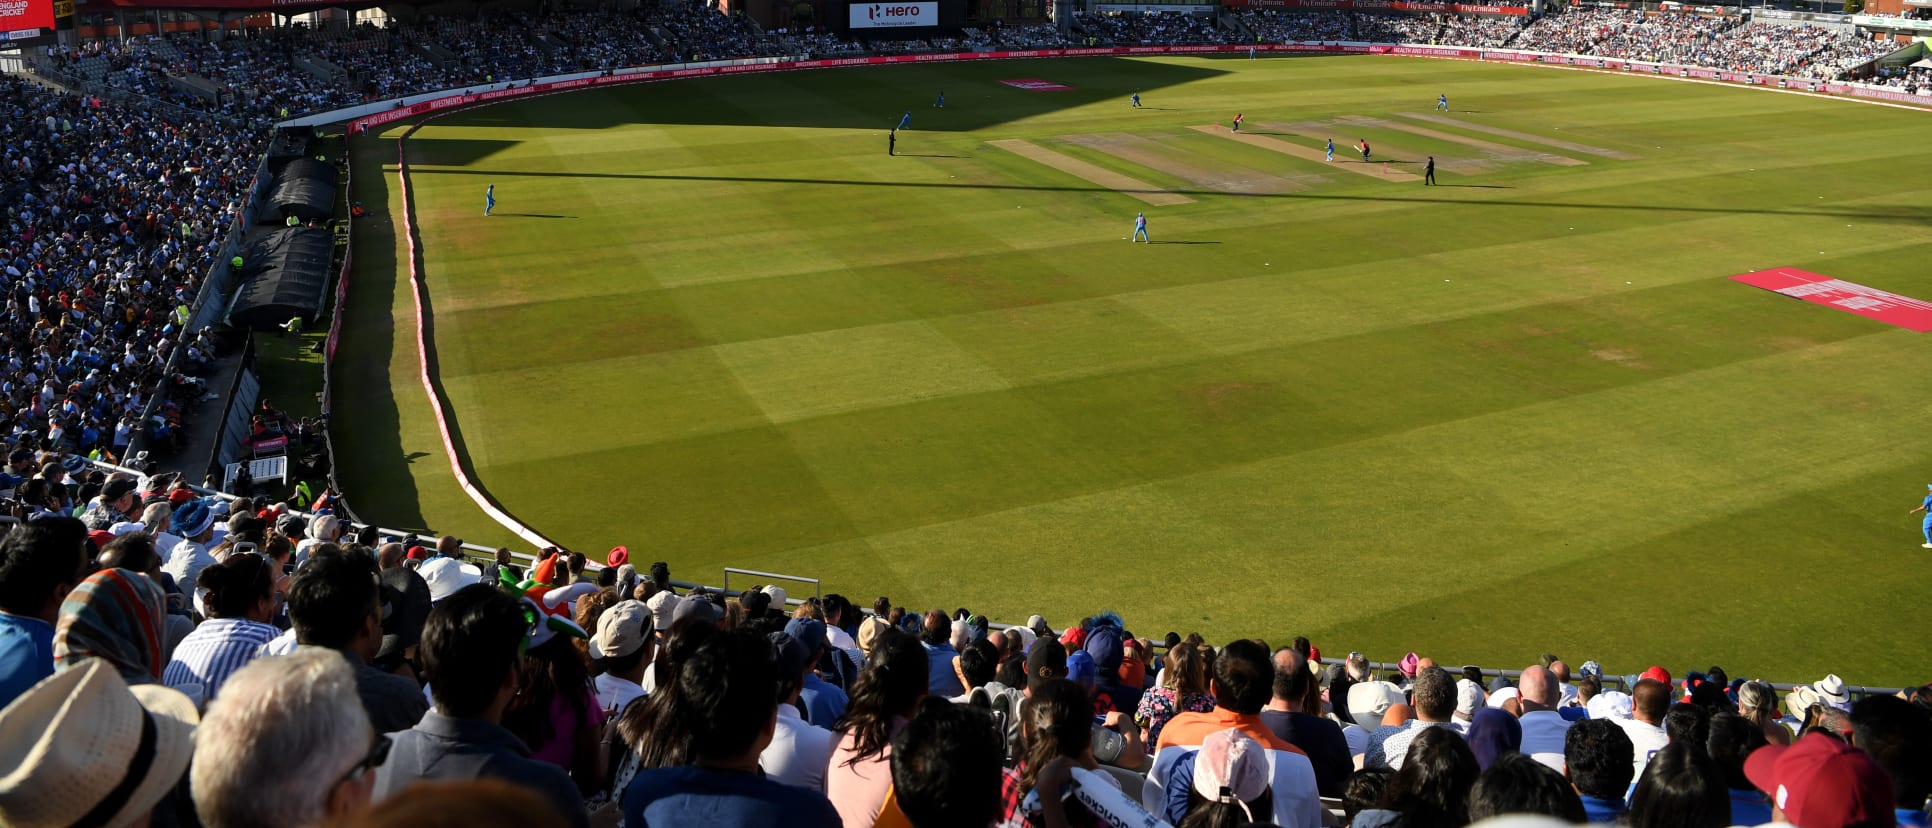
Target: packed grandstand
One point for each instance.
(177, 657)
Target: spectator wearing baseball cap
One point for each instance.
(116, 502)
(799, 751)
(39, 566)
(85, 748)
(1821, 782)
(622, 649)
(823, 701)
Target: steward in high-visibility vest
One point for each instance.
(303, 494)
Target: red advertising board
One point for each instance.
(1882, 305)
(25, 20)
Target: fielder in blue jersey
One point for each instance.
(1331, 150)
(489, 199)
(1136, 100)
(1442, 102)
(906, 121)
(1140, 235)
(1925, 527)
(941, 102)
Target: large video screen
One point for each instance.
(24, 20)
(882, 15)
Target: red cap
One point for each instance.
(1658, 674)
(1314, 654)
(618, 556)
(416, 553)
(1820, 782)
(180, 496)
(100, 537)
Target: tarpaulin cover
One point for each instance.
(304, 188)
(291, 278)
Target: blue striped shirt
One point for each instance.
(214, 651)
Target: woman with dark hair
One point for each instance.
(1183, 689)
(555, 711)
(240, 599)
(1681, 788)
(1517, 784)
(1732, 738)
(654, 727)
(1056, 725)
(883, 699)
(1431, 790)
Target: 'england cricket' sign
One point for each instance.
(894, 15)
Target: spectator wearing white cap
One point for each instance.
(84, 748)
(799, 751)
(622, 649)
(288, 744)
(664, 607)
(446, 574)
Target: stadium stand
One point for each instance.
(602, 693)
(147, 625)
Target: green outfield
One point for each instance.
(1524, 411)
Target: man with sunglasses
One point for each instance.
(285, 744)
(471, 646)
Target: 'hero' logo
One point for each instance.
(877, 11)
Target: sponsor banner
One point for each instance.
(1383, 5)
(1872, 303)
(1900, 95)
(893, 15)
(1434, 51)
(1808, 17)
(1154, 7)
(1895, 24)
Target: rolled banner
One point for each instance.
(1098, 792)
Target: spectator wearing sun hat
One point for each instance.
(621, 646)
(1821, 782)
(1832, 693)
(85, 748)
(194, 521)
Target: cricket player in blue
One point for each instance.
(941, 103)
(1331, 150)
(489, 199)
(906, 122)
(1140, 235)
(1442, 103)
(1136, 100)
(1925, 527)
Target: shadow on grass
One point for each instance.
(835, 98)
(1901, 213)
(535, 215)
(366, 424)
(1168, 241)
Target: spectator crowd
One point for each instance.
(168, 659)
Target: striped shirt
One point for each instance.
(214, 651)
